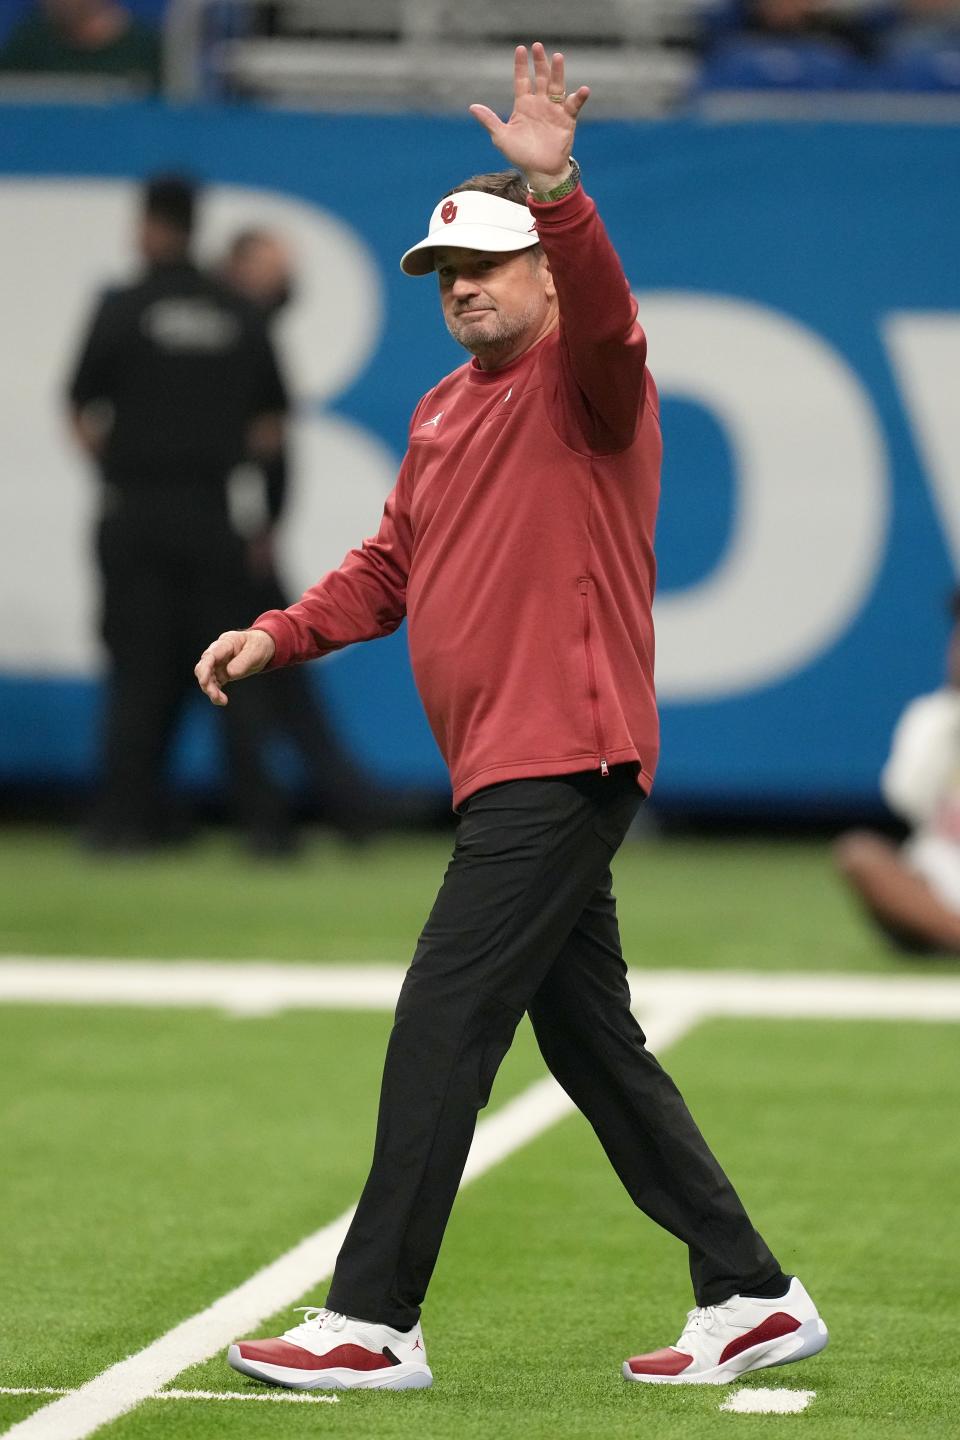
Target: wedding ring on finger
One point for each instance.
(558, 99)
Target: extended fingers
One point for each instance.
(541, 68)
(574, 103)
(490, 121)
(548, 74)
(555, 82)
(521, 72)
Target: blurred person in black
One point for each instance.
(84, 37)
(258, 265)
(176, 385)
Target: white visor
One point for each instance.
(472, 220)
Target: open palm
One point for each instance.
(538, 137)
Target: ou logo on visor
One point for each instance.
(448, 213)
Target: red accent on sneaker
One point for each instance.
(660, 1362)
(770, 1329)
(281, 1352)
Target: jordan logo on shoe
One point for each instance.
(418, 1344)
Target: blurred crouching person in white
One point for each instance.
(912, 891)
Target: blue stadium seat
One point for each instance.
(756, 63)
(935, 68)
(149, 11)
(11, 13)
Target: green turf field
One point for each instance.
(149, 1168)
(756, 904)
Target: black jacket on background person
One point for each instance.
(179, 367)
(185, 365)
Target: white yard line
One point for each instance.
(801, 997)
(34, 1390)
(276, 1397)
(124, 1385)
(281, 1397)
(257, 988)
(242, 989)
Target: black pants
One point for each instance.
(297, 710)
(174, 577)
(526, 921)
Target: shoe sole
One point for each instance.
(800, 1344)
(394, 1377)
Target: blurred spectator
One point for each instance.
(84, 37)
(786, 44)
(913, 892)
(806, 20)
(259, 266)
(175, 382)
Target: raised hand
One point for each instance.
(538, 137)
(233, 656)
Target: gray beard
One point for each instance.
(503, 336)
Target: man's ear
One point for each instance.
(549, 288)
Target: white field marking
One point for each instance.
(240, 989)
(282, 1397)
(258, 988)
(33, 1390)
(525, 1117)
(769, 1402)
(140, 1377)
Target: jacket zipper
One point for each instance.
(583, 585)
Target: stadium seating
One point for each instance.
(756, 63)
(13, 11)
(645, 57)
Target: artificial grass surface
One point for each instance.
(148, 1167)
(839, 1136)
(154, 1159)
(699, 904)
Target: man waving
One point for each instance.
(518, 542)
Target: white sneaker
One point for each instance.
(327, 1351)
(721, 1342)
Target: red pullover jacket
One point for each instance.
(518, 542)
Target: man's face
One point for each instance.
(493, 300)
(262, 272)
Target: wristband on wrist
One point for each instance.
(566, 187)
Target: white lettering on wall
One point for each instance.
(925, 352)
(64, 241)
(812, 494)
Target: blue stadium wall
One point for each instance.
(802, 296)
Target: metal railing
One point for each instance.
(373, 54)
